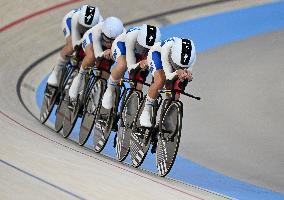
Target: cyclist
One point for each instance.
(97, 43)
(74, 25)
(168, 60)
(130, 50)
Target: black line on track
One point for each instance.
(26, 71)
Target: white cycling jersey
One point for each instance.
(70, 26)
(124, 45)
(158, 58)
(94, 36)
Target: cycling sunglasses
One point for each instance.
(83, 29)
(106, 39)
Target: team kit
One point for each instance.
(99, 75)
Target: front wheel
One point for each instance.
(169, 136)
(141, 137)
(126, 123)
(90, 111)
(103, 124)
(72, 111)
(63, 103)
(48, 102)
(60, 112)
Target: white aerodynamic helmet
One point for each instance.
(183, 53)
(148, 35)
(112, 27)
(89, 16)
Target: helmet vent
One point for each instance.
(90, 13)
(151, 35)
(185, 52)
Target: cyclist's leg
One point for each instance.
(60, 64)
(159, 81)
(108, 98)
(116, 74)
(87, 62)
(66, 28)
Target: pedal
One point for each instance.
(141, 132)
(101, 122)
(99, 126)
(142, 135)
(80, 113)
(128, 126)
(147, 136)
(57, 100)
(114, 141)
(154, 140)
(168, 136)
(154, 147)
(48, 95)
(114, 125)
(102, 117)
(137, 136)
(71, 105)
(49, 92)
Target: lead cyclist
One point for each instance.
(97, 43)
(74, 25)
(168, 60)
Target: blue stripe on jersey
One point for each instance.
(133, 28)
(84, 44)
(122, 48)
(167, 40)
(91, 38)
(68, 22)
(156, 57)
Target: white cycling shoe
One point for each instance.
(145, 119)
(108, 99)
(54, 77)
(75, 86)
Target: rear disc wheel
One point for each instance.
(90, 112)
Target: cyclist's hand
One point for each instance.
(182, 74)
(107, 54)
(144, 64)
(77, 45)
(189, 76)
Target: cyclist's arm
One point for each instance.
(96, 40)
(165, 51)
(89, 59)
(130, 41)
(154, 58)
(169, 74)
(75, 35)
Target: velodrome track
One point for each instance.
(247, 145)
